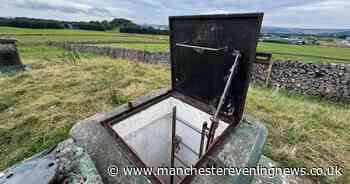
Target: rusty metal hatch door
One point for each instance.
(201, 58)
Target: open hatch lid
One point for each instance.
(202, 56)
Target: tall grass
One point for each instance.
(39, 106)
(303, 131)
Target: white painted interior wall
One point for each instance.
(149, 132)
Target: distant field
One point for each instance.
(156, 43)
(26, 31)
(40, 36)
(77, 38)
(313, 51)
(67, 32)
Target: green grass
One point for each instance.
(38, 53)
(38, 107)
(313, 51)
(30, 39)
(67, 32)
(303, 131)
(40, 36)
(313, 54)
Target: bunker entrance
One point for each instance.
(211, 57)
(168, 134)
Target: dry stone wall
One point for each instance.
(130, 54)
(326, 80)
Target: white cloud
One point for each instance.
(326, 14)
(294, 13)
(321, 6)
(63, 5)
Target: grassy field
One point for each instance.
(36, 114)
(316, 51)
(156, 43)
(303, 131)
(11, 31)
(41, 36)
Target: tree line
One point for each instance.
(144, 30)
(23, 22)
(124, 25)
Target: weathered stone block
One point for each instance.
(8, 54)
(65, 163)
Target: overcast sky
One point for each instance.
(287, 13)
